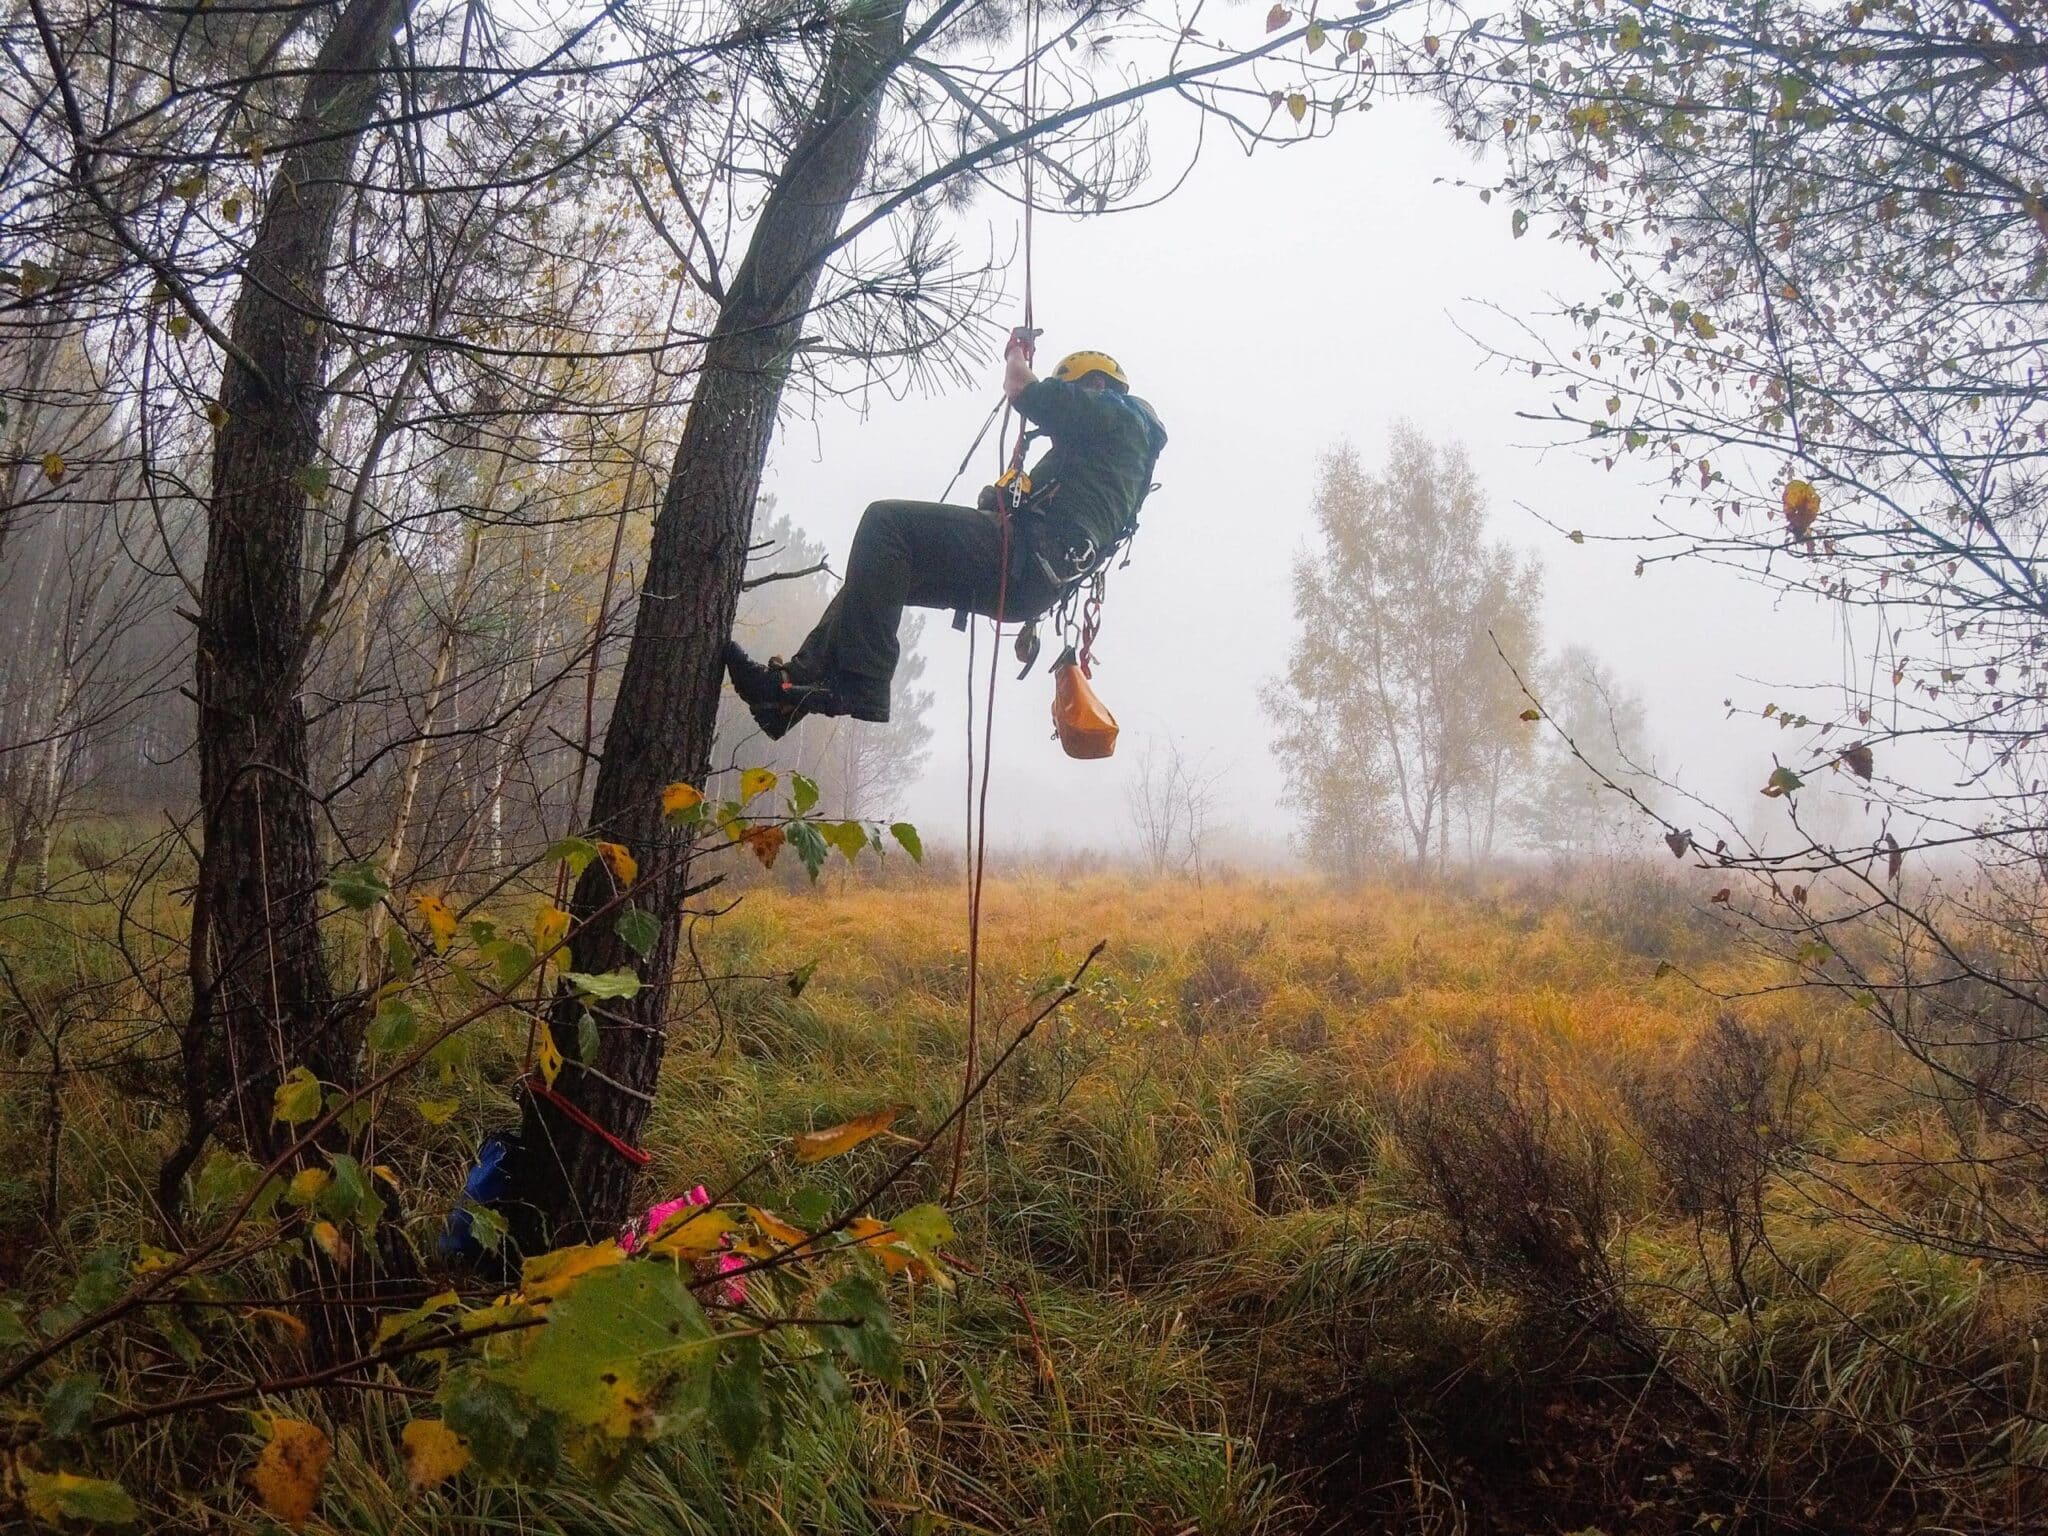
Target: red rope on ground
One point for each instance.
(576, 1117)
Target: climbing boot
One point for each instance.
(772, 696)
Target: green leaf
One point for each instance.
(803, 794)
(349, 1197)
(619, 1349)
(801, 977)
(849, 837)
(358, 886)
(297, 1099)
(511, 959)
(1520, 223)
(739, 1405)
(396, 1026)
(608, 984)
(55, 1496)
(576, 852)
(67, 1406)
(314, 479)
(906, 834)
(925, 1229)
(586, 1040)
(638, 930)
(13, 1330)
(861, 1328)
(224, 1178)
(398, 957)
(485, 1227)
(809, 846)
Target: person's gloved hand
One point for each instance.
(986, 501)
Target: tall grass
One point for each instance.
(1423, 1208)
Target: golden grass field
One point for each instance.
(1405, 1208)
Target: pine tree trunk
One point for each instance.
(567, 1185)
(262, 1000)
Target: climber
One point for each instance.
(1076, 507)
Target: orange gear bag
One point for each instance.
(1082, 721)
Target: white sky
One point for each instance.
(1277, 304)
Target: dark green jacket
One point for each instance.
(1104, 445)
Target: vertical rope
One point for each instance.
(978, 809)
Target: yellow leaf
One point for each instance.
(217, 415)
(816, 1146)
(437, 1111)
(755, 781)
(53, 466)
(292, 1327)
(693, 1235)
(550, 927)
(547, 1275)
(384, 1172)
(308, 1185)
(286, 1477)
(440, 920)
(1297, 106)
(1802, 506)
(433, 1453)
(619, 859)
(548, 1056)
(328, 1237)
(780, 1230)
(679, 798)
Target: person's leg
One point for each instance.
(918, 554)
(905, 554)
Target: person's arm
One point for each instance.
(1017, 374)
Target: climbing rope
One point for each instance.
(1007, 492)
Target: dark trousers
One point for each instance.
(917, 554)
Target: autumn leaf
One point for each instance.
(53, 467)
(1297, 106)
(1278, 17)
(619, 860)
(286, 1477)
(1802, 507)
(293, 1328)
(331, 1240)
(1431, 44)
(433, 1453)
(550, 927)
(1680, 843)
(548, 1056)
(1858, 760)
(548, 1275)
(681, 800)
(440, 918)
(1720, 897)
(766, 843)
(1530, 714)
(297, 1098)
(1782, 782)
(775, 1227)
(1895, 856)
(816, 1146)
(755, 782)
(308, 1185)
(693, 1234)
(54, 1497)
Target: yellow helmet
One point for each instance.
(1076, 366)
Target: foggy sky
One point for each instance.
(1275, 305)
